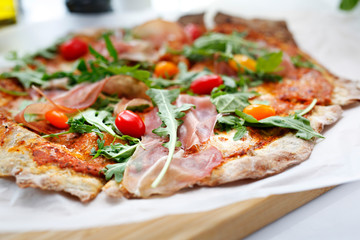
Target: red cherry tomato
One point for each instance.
(73, 49)
(193, 31)
(57, 119)
(130, 124)
(205, 84)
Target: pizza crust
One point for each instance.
(16, 159)
(268, 28)
(275, 157)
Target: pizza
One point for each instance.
(164, 106)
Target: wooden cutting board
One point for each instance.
(234, 221)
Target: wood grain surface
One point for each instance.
(234, 221)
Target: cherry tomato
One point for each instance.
(130, 124)
(193, 31)
(242, 60)
(73, 49)
(205, 84)
(57, 119)
(165, 69)
(259, 111)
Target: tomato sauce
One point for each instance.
(78, 157)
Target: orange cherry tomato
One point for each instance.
(259, 111)
(129, 123)
(242, 60)
(57, 119)
(165, 69)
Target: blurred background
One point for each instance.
(31, 11)
(319, 27)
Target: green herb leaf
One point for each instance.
(226, 123)
(241, 130)
(301, 124)
(13, 93)
(110, 47)
(169, 115)
(248, 118)
(98, 119)
(27, 77)
(115, 170)
(133, 71)
(296, 122)
(97, 55)
(117, 152)
(184, 79)
(78, 125)
(348, 5)
(229, 102)
(269, 62)
(298, 61)
(223, 46)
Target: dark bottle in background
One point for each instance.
(89, 6)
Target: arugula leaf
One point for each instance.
(298, 61)
(296, 122)
(104, 103)
(50, 51)
(91, 71)
(248, 118)
(269, 62)
(133, 71)
(227, 100)
(110, 47)
(78, 125)
(90, 121)
(226, 123)
(13, 93)
(117, 152)
(230, 102)
(184, 79)
(169, 115)
(97, 55)
(223, 46)
(114, 170)
(98, 119)
(301, 124)
(27, 77)
(228, 81)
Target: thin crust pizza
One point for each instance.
(164, 106)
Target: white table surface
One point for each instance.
(334, 215)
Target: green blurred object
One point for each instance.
(348, 5)
(8, 11)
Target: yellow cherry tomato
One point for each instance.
(259, 111)
(239, 61)
(165, 69)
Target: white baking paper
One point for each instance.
(329, 35)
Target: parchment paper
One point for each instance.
(330, 36)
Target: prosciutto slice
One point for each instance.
(191, 163)
(78, 98)
(184, 171)
(198, 123)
